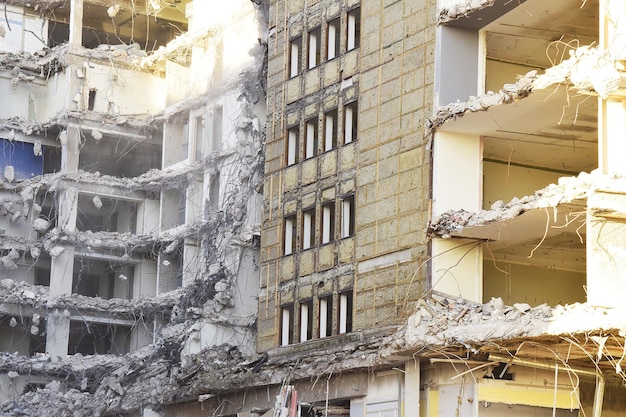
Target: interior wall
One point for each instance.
(456, 73)
(533, 285)
(122, 91)
(500, 73)
(502, 181)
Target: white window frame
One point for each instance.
(347, 216)
(304, 321)
(324, 313)
(295, 56)
(343, 313)
(314, 47)
(311, 138)
(349, 115)
(285, 326)
(308, 228)
(354, 17)
(333, 28)
(289, 235)
(330, 130)
(292, 146)
(327, 222)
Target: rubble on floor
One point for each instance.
(568, 189)
(588, 70)
(443, 324)
(462, 9)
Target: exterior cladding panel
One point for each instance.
(386, 168)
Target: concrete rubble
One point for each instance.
(155, 374)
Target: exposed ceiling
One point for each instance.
(151, 23)
(554, 129)
(538, 33)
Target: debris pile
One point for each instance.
(462, 9)
(567, 190)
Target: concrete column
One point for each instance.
(61, 272)
(76, 22)
(606, 249)
(145, 279)
(67, 209)
(141, 335)
(457, 184)
(70, 142)
(412, 387)
(612, 111)
(57, 334)
(192, 259)
(148, 217)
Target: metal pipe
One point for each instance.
(598, 397)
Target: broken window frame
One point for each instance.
(333, 29)
(295, 56)
(350, 121)
(353, 29)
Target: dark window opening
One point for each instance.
(104, 279)
(97, 338)
(92, 99)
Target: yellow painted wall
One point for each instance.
(531, 284)
(503, 182)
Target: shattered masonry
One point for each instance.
(191, 220)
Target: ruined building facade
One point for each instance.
(132, 180)
(415, 208)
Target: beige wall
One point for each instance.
(386, 167)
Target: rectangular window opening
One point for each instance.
(328, 222)
(345, 312)
(290, 235)
(332, 38)
(326, 316)
(311, 138)
(354, 29)
(350, 122)
(286, 333)
(92, 99)
(308, 228)
(295, 56)
(330, 130)
(347, 216)
(293, 143)
(306, 320)
(315, 38)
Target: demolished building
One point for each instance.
(440, 227)
(132, 167)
